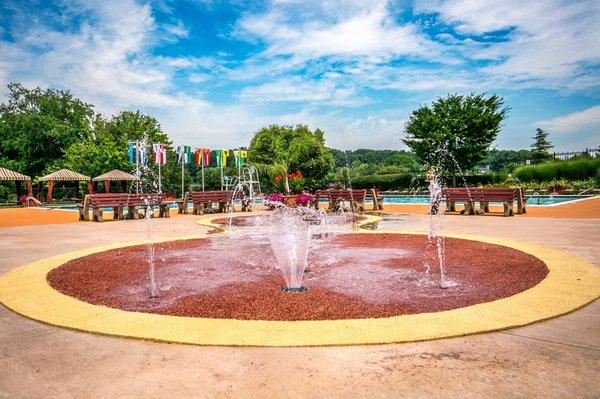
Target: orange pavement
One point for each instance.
(587, 209)
(12, 217)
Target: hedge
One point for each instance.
(384, 182)
(575, 169)
(408, 181)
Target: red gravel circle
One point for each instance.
(350, 276)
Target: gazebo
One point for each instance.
(115, 175)
(10, 175)
(62, 175)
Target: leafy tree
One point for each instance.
(505, 160)
(455, 132)
(403, 159)
(106, 149)
(540, 146)
(37, 126)
(279, 149)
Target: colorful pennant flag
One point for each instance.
(198, 156)
(184, 153)
(160, 154)
(206, 155)
(240, 157)
(218, 154)
(140, 148)
(143, 156)
(131, 152)
(224, 155)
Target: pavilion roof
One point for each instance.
(116, 175)
(64, 175)
(7, 174)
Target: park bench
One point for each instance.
(118, 201)
(147, 201)
(355, 197)
(320, 194)
(460, 194)
(246, 202)
(182, 204)
(506, 196)
(375, 195)
(205, 199)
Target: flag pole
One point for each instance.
(182, 183)
(137, 166)
(159, 183)
(202, 156)
(220, 159)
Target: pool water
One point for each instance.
(532, 200)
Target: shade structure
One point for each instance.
(11, 175)
(7, 174)
(62, 175)
(115, 175)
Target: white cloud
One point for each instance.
(104, 60)
(576, 122)
(296, 89)
(347, 29)
(552, 43)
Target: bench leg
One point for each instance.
(198, 209)
(164, 211)
(182, 207)
(508, 208)
(484, 207)
(132, 213)
(469, 208)
(98, 215)
(450, 206)
(84, 213)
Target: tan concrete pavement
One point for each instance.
(556, 358)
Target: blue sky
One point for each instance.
(213, 72)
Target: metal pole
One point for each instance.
(182, 183)
(159, 183)
(137, 166)
(202, 155)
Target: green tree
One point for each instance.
(279, 149)
(106, 149)
(455, 132)
(38, 126)
(540, 146)
(504, 160)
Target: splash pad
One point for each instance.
(569, 283)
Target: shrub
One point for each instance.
(574, 169)
(384, 182)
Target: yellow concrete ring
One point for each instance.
(571, 283)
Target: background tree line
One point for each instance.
(43, 130)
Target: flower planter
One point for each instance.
(291, 201)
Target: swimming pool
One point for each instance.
(531, 200)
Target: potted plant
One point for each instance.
(272, 199)
(305, 199)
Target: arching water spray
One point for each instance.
(436, 226)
